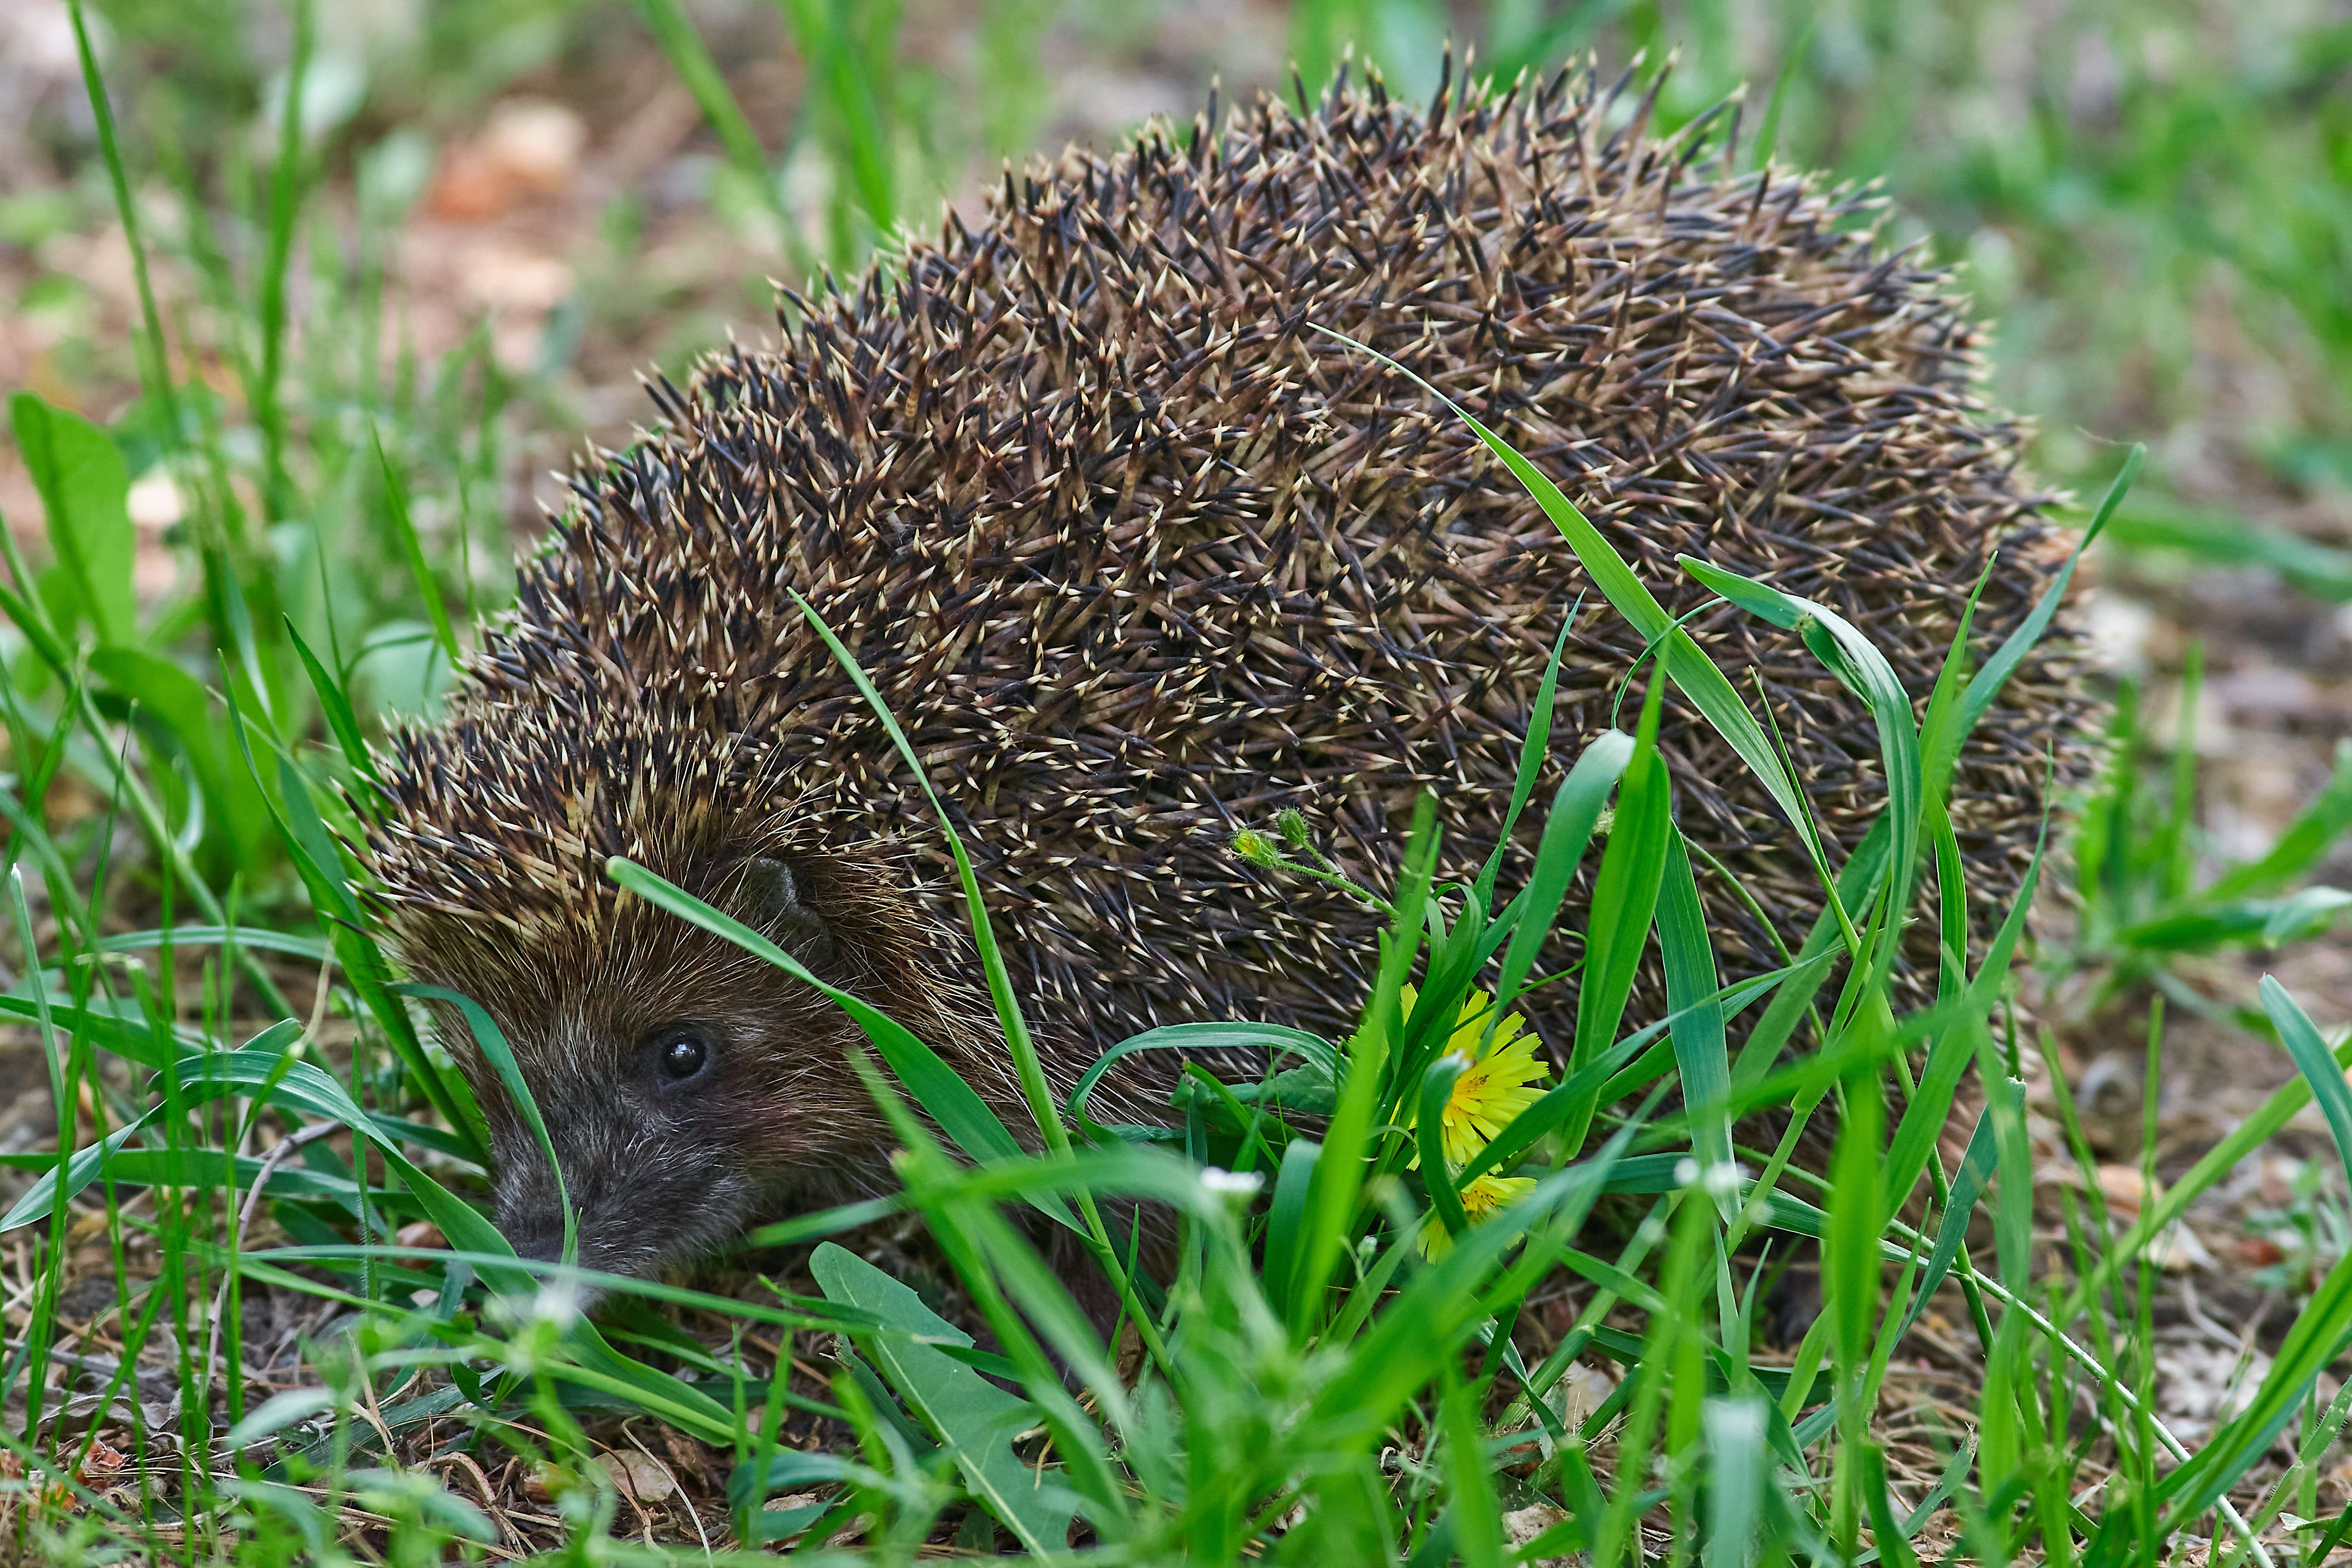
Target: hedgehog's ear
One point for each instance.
(771, 903)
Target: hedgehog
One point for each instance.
(1140, 552)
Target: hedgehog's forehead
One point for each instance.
(504, 819)
(555, 979)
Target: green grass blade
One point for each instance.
(2312, 1060)
(2317, 1338)
(674, 32)
(1017, 1038)
(1849, 1273)
(1532, 751)
(1857, 663)
(1339, 1172)
(1472, 1507)
(285, 210)
(154, 360)
(2315, 828)
(336, 704)
(411, 549)
(1739, 1458)
(1575, 811)
(1702, 1057)
(1624, 893)
(1986, 684)
(1952, 1230)
(2228, 539)
(953, 1104)
(1436, 1172)
(491, 1041)
(2215, 1164)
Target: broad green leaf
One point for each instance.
(176, 699)
(974, 1419)
(83, 485)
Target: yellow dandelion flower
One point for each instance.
(1495, 1088)
(1480, 1200)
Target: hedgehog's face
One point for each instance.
(687, 1091)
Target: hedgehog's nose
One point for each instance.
(535, 1240)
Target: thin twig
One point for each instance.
(279, 1152)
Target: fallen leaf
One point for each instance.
(2124, 1188)
(101, 1462)
(640, 1480)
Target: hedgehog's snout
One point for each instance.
(647, 1187)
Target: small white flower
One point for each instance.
(1686, 1172)
(1721, 1180)
(557, 1304)
(1244, 1185)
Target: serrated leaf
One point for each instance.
(179, 702)
(972, 1418)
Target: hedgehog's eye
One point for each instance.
(680, 1051)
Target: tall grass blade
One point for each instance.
(1702, 1055)
(1624, 893)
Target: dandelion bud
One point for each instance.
(1257, 848)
